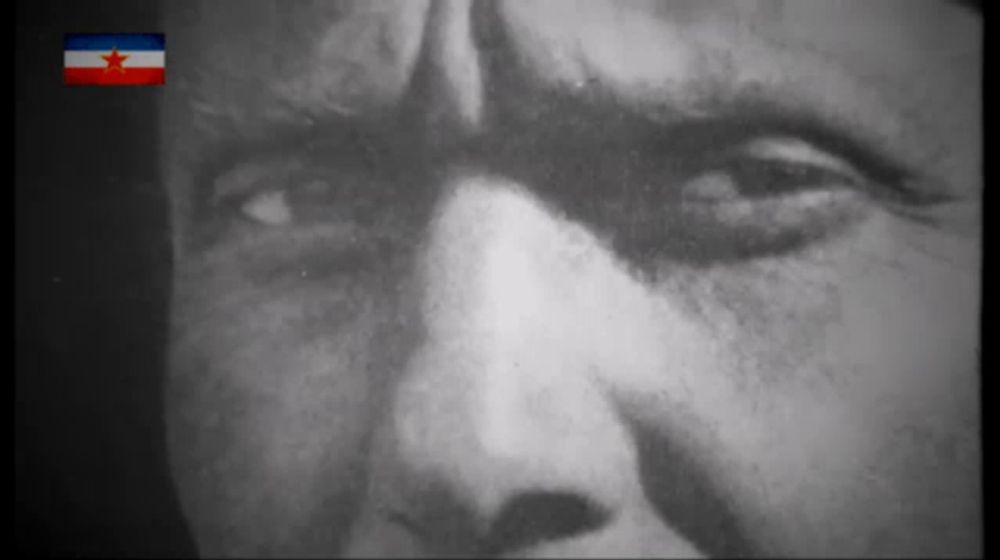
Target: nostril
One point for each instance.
(536, 517)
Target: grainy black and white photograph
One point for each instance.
(498, 278)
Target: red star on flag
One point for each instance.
(114, 60)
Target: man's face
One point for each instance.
(553, 278)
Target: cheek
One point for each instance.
(912, 336)
(912, 316)
(835, 398)
(271, 400)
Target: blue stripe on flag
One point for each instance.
(107, 41)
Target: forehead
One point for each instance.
(355, 56)
(907, 71)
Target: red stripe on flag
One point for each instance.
(102, 77)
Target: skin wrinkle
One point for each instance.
(230, 97)
(725, 74)
(453, 62)
(961, 66)
(254, 410)
(816, 401)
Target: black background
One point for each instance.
(92, 265)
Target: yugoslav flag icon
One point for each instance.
(112, 59)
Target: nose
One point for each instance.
(499, 437)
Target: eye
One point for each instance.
(296, 202)
(349, 202)
(766, 196)
(269, 208)
(287, 191)
(769, 168)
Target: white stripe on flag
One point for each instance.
(92, 59)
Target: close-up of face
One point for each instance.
(546, 279)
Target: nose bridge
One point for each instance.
(485, 265)
(502, 398)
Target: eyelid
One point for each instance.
(900, 188)
(762, 129)
(249, 177)
(797, 151)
